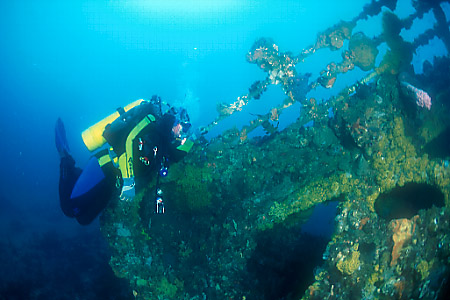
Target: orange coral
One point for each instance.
(363, 222)
(330, 83)
(403, 230)
(274, 114)
(243, 135)
(357, 127)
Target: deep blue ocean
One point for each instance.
(80, 60)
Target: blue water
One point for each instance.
(80, 60)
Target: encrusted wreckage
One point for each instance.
(238, 202)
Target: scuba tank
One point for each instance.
(117, 132)
(93, 136)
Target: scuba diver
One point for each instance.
(134, 144)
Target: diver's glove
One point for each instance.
(128, 190)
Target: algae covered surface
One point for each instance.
(237, 203)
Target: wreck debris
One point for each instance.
(248, 187)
